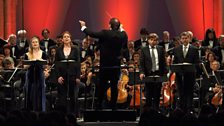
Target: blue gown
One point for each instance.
(35, 98)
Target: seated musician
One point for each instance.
(134, 94)
(8, 64)
(212, 87)
(84, 87)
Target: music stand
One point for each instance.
(34, 63)
(182, 68)
(154, 79)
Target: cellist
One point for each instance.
(215, 82)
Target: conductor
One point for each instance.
(110, 43)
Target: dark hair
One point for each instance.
(210, 30)
(153, 36)
(213, 54)
(114, 23)
(144, 31)
(45, 30)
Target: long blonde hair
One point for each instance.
(30, 50)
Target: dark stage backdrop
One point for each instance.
(175, 16)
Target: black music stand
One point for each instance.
(155, 79)
(7, 95)
(182, 68)
(68, 64)
(135, 79)
(34, 63)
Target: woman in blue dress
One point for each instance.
(35, 82)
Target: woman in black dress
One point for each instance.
(35, 82)
(67, 66)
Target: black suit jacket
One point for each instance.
(210, 82)
(110, 44)
(146, 61)
(73, 69)
(138, 44)
(191, 57)
(50, 43)
(218, 52)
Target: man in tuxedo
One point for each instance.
(85, 50)
(219, 51)
(152, 63)
(14, 48)
(166, 43)
(186, 53)
(46, 42)
(110, 44)
(210, 86)
(142, 42)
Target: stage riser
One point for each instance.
(111, 124)
(104, 116)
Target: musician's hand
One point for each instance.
(215, 89)
(61, 80)
(142, 76)
(82, 23)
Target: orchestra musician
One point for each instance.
(211, 85)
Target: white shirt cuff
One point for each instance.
(121, 29)
(210, 89)
(83, 28)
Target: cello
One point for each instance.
(122, 91)
(136, 100)
(167, 91)
(217, 98)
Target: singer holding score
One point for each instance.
(111, 42)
